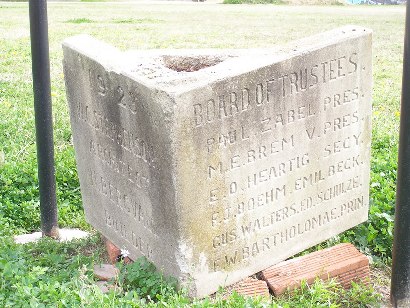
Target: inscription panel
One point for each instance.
(281, 155)
(117, 150)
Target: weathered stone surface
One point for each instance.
(105, 272)
(218, 164)
(343, 262)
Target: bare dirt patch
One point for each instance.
(380, 280)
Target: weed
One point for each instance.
(330, 294)
(143, 277)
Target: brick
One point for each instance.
(105, 272)
(343, 262)
(113, 251)
(359, 275)
(252, 287)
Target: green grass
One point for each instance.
(182, 25)
(55, 274)
(253, 2)
(80, 21)
(136, 21)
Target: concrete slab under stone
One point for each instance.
(105, 272)
(65, 235)
(216, 164)
(343, 262)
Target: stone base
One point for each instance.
(343, 262)
(65, 235)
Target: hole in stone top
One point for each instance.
(190, 63)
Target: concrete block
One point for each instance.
(216, 164)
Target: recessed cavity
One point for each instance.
(190, 63)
